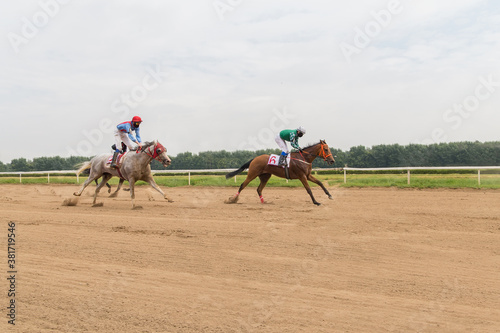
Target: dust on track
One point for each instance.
(371, 260)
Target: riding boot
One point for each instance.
(282, 160)
(113, 161)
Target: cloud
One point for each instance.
(225, 77)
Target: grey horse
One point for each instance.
(133, 166)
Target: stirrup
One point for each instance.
(113, 164)
(282, 160)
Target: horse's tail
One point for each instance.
(83, 166)
(240, 170)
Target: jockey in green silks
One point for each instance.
(291, 136)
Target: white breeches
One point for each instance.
(122, 137)
(282, 144)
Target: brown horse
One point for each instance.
(300, 168)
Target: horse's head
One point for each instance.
(157, 151)
(325, 152)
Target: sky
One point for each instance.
(230, 74)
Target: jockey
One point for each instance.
(293, 137)
(123, 133)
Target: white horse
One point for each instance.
(134, 166)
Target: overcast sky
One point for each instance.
(228, 74)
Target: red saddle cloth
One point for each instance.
(118, 159)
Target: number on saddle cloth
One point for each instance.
(274, 160)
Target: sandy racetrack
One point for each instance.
(371, 260)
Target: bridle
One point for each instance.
(321, 154)
(158, 149)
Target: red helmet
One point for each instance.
(137, 119)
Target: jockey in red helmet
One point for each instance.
(123, 133)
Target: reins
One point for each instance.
(321, 154)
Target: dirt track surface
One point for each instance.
(371, 260)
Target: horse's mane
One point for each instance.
(311, 145)
(144, 145)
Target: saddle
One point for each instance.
(118, 159)
(274, 160)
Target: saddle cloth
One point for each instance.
(118, 159)
(274, 160)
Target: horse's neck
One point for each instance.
(311, 154)
(143, 158)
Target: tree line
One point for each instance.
(394, 155)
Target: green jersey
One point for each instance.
(291, 136)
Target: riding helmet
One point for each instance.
(136, 121)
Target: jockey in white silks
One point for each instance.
(123, 133)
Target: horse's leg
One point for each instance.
(317, 181)
(251, 176)
(152, 182)
(109, 186)
(115, 193)
(303, 179)
(264, 178)
(132, 193)
(89, 180)
(104, 180)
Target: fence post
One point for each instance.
(20, 179)
(345, 176)
(479, 177)
(48, 178)
(189, 178)
(408, 176)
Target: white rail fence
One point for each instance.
(189, 172)
(62, 172)
(409, 169)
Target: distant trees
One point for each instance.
(395, 155)
(20, 164)
(442, 154)
(43, 164)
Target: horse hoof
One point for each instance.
(317, 204)
(231, 200)
(137, 207)
(330, 197)
(100, 204)
(169, 200)
(113, 195)
(76, 194)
